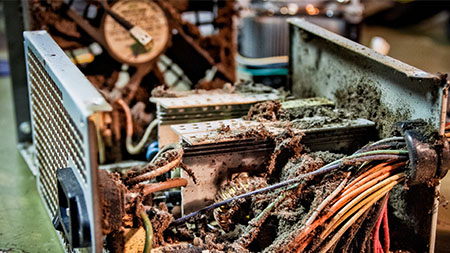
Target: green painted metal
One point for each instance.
(24, 223)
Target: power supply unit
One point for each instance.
(381, 90)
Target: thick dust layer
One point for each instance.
(364, 101)
(257, 229)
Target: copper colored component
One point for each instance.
(241, 184)
(170, 183)
(152, 174)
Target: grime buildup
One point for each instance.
(300, 201)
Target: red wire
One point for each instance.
(376, 235)
(376, 246)
(386, 229)
(379, 248)
(447, 125)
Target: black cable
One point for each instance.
(127, 25)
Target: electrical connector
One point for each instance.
(141, 36)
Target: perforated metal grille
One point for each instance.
(57, 140)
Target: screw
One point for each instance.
(96, 101)
(25, 127)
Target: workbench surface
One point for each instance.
(24, 223)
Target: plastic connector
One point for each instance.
(72, 216)
(142, 37)
(429, 153)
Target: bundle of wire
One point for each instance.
(341, 209)
(370, 174)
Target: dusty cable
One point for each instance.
(167, 147)
(373, 155)
(376, 244)
(368, 171)
(133, 150)
(374, 198)
(154, 173)
(356, 203)
(256, 222)
(148, 232)
(377, 173)
(339, 203)
(325, 202)
(171, 183)
(390, 139)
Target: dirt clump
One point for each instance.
(160, 219)
(265, 111)
(226, 133)
(178, 248)
(301, 117)
(223, 129)
(326, 156)
(292, 217)
(123, 201)
(311, 111)
(111, 192)
(287, 146)
(162, 91)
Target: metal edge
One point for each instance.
(84, 99)
(95, 216)
(26, 44)
(435, 211)
(395, 64)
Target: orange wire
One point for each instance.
(357, 211)
(375, 173)
(313, 226)
(322, 219)
(344, 199)
(304, 244)
(126, 109)
(355, 203)
(347, 195)
(371, 170)
(339, 204)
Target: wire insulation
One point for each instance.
(133, 150)
(373, 155)
(148, 232)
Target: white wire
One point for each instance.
(133, 150)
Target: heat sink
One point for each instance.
(208, 106)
